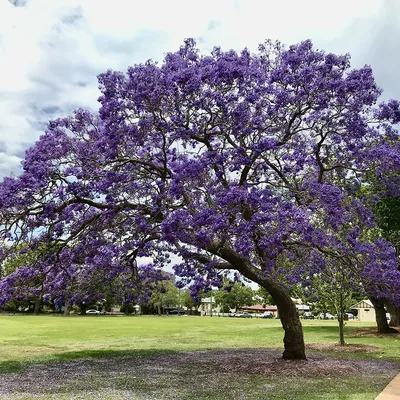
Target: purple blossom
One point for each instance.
(249, 162)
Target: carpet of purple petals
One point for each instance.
(180, 375)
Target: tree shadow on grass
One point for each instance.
(21, 366)
(12, 366)
(325, 332)
(110, 353)
(332, 331)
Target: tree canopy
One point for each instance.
(233, 161)
(233, 296)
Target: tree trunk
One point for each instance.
(66, 308)
(394, 314)
(83, 308)
(341, 328)
(380, 315)
(38, 301)
(293, 339)
(159, 309)
(290, 320)
(340, 320)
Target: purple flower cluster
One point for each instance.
(231, 161)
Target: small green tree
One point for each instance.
(187, 300)
(265, 297)
(33, 293)
(166, 294)
(233, 296)
(330, 292)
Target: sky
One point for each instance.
(52, 50)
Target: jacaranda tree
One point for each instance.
(231, 161)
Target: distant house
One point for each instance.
(258, 308)
(208, 307)
(300, 306)
(365, 311)
(116, 309)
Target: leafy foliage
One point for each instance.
(233, 296)
(388, 219)
(165, 294)
(187, 300)
(265, 296)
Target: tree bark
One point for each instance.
(380, 315)
(293, 339)
(38, 301)
(83, 308)
(66, 308)
(341, 330)
(394, 314)
(341, 320)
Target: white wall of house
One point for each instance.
(365, 311)
(366, 314)
(208, 307)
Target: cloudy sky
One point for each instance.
(52, 50)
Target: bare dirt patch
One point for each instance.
(270, 364)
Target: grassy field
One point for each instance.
(152, 357)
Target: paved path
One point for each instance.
(391, 391)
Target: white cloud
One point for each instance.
(51, 51)
(8, 163)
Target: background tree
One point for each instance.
(333, 293)
(26, 261)
(187, 300)
(165, 294)
(387, 212)
(388, 219)
(265, 297)
(232, 161)
(234, 296)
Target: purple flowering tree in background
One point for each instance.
(232, 161)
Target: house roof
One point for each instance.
(259, 307)
(363, 304)
(207, 300)
(302, 307)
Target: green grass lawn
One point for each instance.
(28, 342)
(53, 337)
